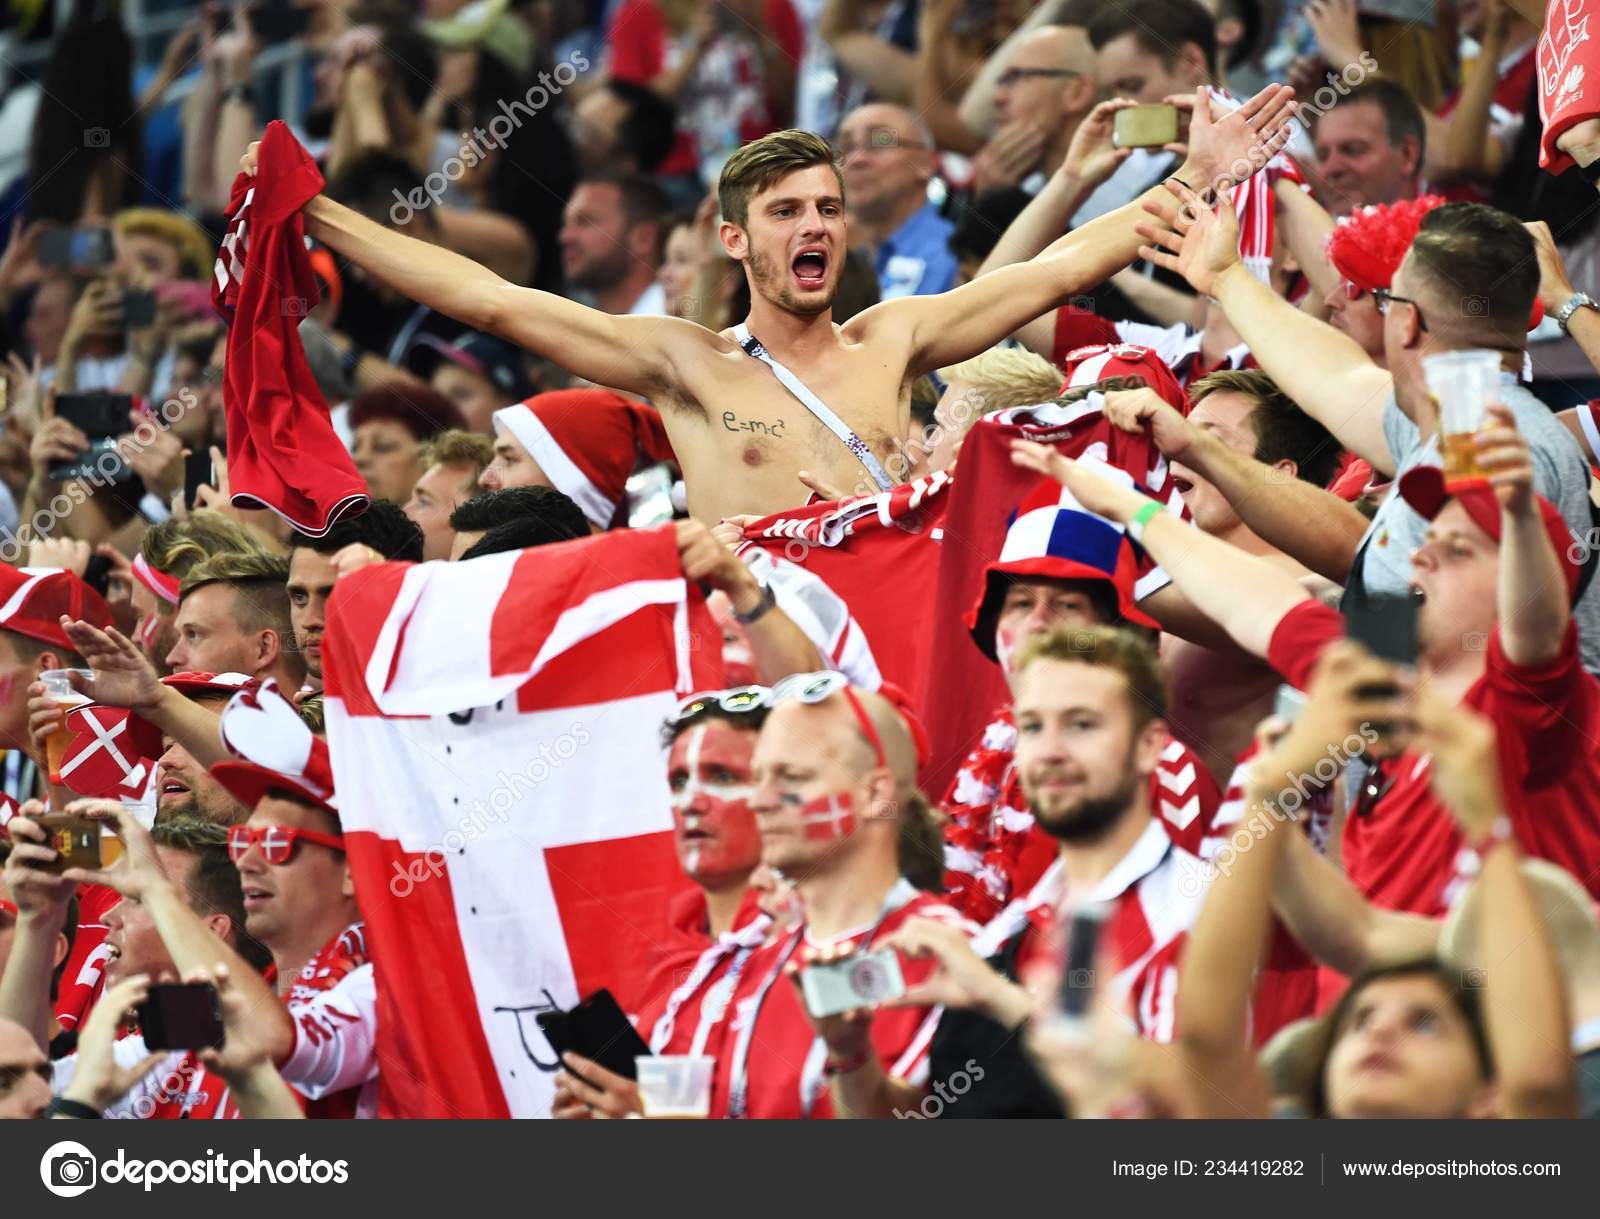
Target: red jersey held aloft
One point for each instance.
(769, 1058)
(1405, 853)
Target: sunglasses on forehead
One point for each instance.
(735, 701)
(278, 843)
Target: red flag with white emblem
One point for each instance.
(494, 728)
(112, 754)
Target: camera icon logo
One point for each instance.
(96, 137)
(294, 306)
(1473, 979)
(68, 1169)
(1475, 306)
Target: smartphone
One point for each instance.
(1084, 926)
(76, 249)
(102, 418)
(1288, 704)
(75, 840)
(1385, 626)
(181, 1017)
(138, 307)
(597, 1029)
(1144, 127)
(863, 980)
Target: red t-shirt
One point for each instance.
(1154, 892)
(729, 83)
(691, 978)
(783, 1067)
(1403, 855)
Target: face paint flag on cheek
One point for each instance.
(145, 636)
(828, 818)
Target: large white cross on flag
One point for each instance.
(495, 732)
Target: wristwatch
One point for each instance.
(768, 600)
(1578, 300)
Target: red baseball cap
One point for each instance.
(1424, 489)
(224, 685)
(33, 600)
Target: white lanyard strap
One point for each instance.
(814, 404)
(742, 942)
(739, 1081)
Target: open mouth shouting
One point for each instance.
(172, 788)
(810, 267)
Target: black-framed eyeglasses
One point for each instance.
(1012, 75)
(1382, 296)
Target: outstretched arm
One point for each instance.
(1216, 981)
(1309, 524)
(957, 325)
(190, 940)
(1209, 572)
(1326, 372)
(629, 353)
(1534, 605)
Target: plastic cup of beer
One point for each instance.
(58, 686)
(675, 1085)
(1463, 385)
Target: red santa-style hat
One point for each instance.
(33, 600)
(587, 442)
(276, 748)
(1103, 361)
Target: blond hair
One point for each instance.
(1105, 647)
(175, 547)
(762, 162)
(196, 251)
(455, 447)
(1007, 376)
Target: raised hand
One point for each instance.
(1091, 158)
(1225, 150)
(138, 873)
(1504, 455)
(100, 1080)
(1094, 491)
(123, 676)
(1139, 410)
(1197, 243)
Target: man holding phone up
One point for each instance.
(188, 860)
(315, 1011)
(1496, 576)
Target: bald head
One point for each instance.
(1048, 80)
(823, 800)
(886, 156)
(27, 1094)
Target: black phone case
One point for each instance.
(197, 1025)
(1385, 626)
(597, 1029)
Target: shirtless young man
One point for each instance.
(740, 436)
